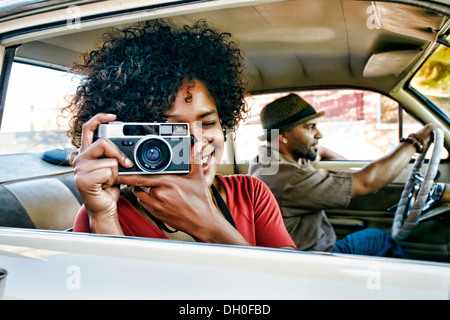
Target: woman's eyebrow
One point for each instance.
(203, 115)
(208, 113)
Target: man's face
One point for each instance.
(303, 140)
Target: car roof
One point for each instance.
(287, 44)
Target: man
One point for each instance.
(303, 192)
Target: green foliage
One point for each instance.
(435, 73)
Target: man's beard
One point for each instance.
(309, 155)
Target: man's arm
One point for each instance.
(327, 154)
(380, 172)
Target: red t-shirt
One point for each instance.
(251, 203)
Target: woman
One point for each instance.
(158, 72)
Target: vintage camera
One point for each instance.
(154, 148)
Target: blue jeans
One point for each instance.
(370, 242)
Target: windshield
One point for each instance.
(433, 79)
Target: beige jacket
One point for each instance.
(303, 193)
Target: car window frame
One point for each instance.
(6, 67)
(431, 106)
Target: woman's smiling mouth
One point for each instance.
(207, 161)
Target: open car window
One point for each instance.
(32, 119)
(358, 124)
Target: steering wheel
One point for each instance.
(401, 231)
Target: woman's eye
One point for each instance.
(209, 124)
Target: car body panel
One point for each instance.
(54, 265)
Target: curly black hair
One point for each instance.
(137, 72)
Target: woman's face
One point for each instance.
(201, 113)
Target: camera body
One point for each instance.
(154, 148)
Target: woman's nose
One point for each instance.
(196, 131)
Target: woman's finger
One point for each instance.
(91, 182)
(104, 148)
(88, 166)
(144, 180)
(89, 128)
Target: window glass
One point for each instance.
(32, 120)
(360, 125)
(433, 79)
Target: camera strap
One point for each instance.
(222, 206)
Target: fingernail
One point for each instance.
(128, 162)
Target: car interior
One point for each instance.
(289, 46)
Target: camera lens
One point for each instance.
(153, 154)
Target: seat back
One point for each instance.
(36, 194)
(47, 203)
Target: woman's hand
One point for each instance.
(96, 172)
(184, 202)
